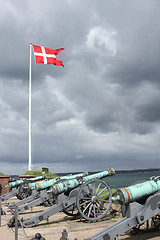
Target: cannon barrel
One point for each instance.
(70, 184)
(137, 192)
(19, 182)
(49, 182)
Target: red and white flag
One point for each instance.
(45, 55)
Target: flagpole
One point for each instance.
(30, 156)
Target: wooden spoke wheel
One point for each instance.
(23, 192)
(68, 210)
(94, 199)
(150, 225)
(50, 202)
(71, 211)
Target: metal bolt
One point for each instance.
(159, 205)
(142, 218)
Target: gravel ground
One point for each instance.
(76, 228)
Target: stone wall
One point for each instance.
(26, 176)
(3, 182)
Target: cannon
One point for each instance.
(20, 188)
(88, 196)
(48, 183)
(17, 183)
(41, 193)
(140, 205)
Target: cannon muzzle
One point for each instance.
(137, 192)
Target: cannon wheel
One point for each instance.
(94, 199)
(71, 211)
(49, 202)
(23, 193)
(150, 225)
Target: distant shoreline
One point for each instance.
(138, 170)
(121, 171)
(117, 172)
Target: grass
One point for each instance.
(39, 173)
(106, 191)
(1, 174)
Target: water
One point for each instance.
(122, 178)
(128, 178)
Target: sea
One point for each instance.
(121, 178)
(127, 178)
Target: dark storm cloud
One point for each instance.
(102, 108)
(149, 112)
(138, 59)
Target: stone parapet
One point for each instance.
(26, 176)
(3, 182)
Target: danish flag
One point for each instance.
(45, 55)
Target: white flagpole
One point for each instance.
(30, 156)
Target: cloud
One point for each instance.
(99, 38)
(102, 109)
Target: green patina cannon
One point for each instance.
(47, 183)
(140, 205)
(41, 192)
(73, 183)
(20, 188)
(18, 183)
(88, 196)
(138, 192)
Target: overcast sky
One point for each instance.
(102, 109)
